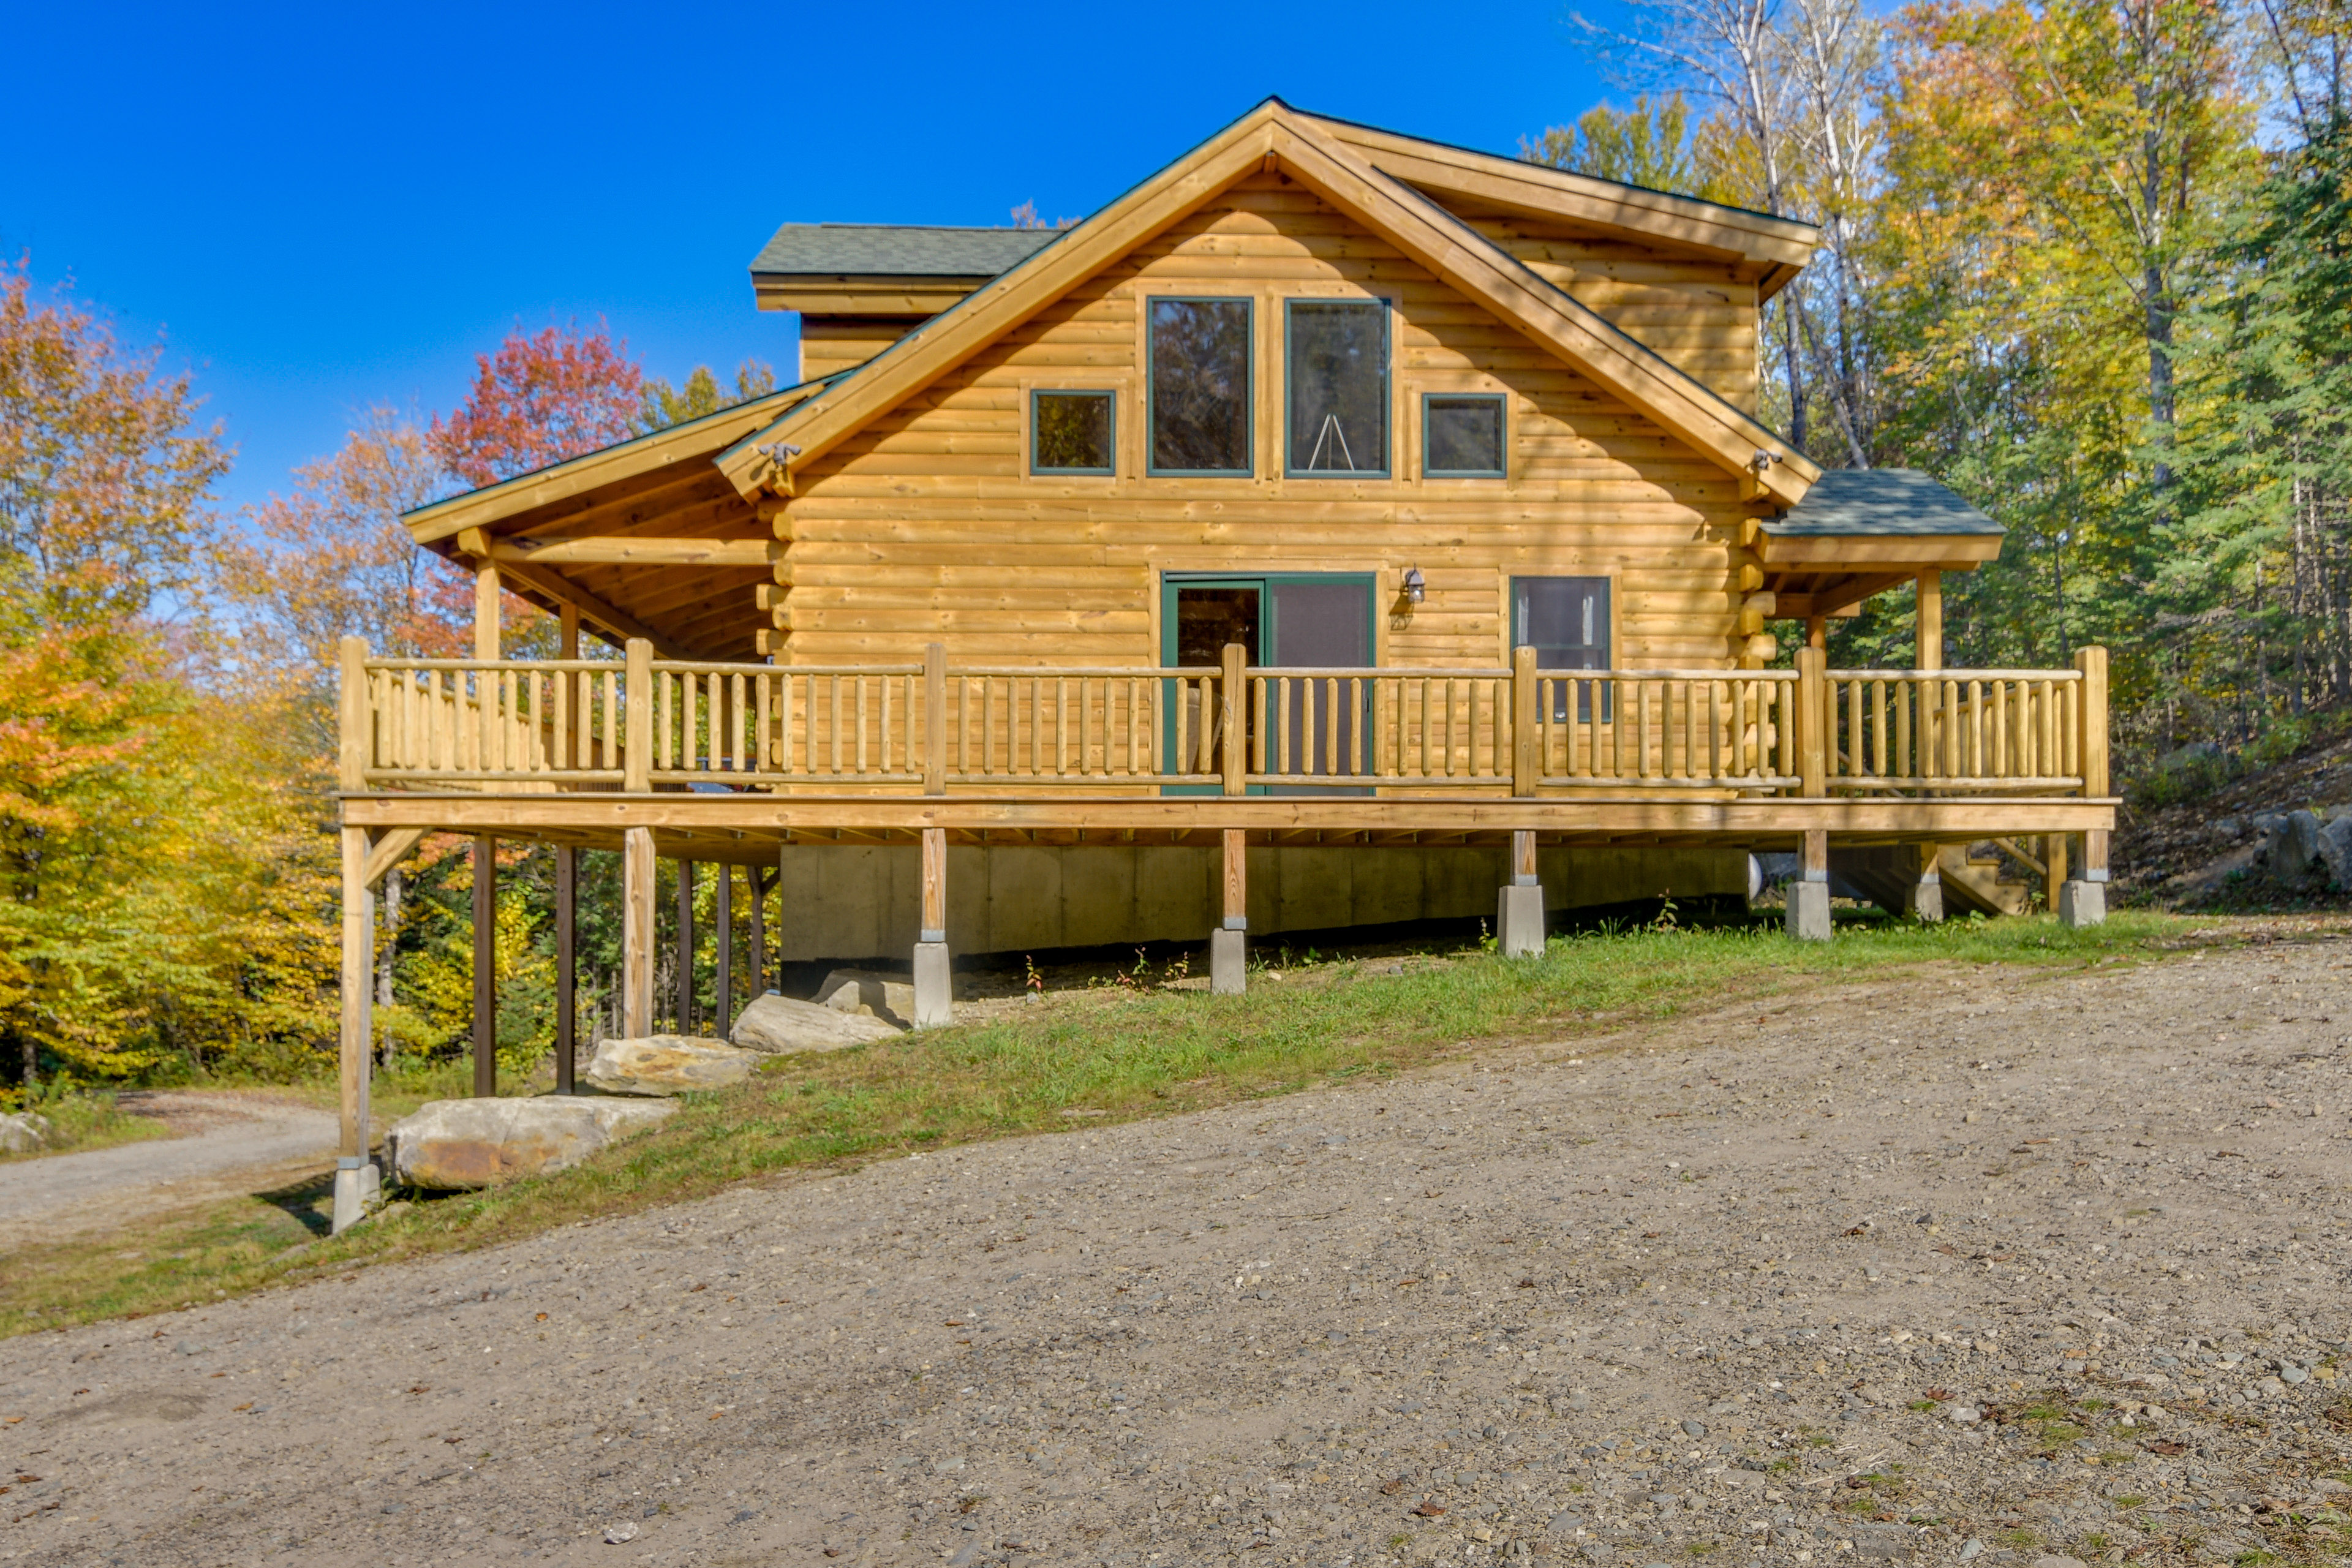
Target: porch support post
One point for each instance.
(684, 1022)
(1519, 911)
(1930, 620)
(755, 884)
(1924, 898)
(1817, 632)
(1229, 944)
(934, 982)
(1809, 895)
(356, 1179)
(486, 962)
(567, 975)
(636, 932)
(722, 921)
(2082, 901)
(486, 609)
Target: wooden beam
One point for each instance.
(722, 930)
(1838, 599)
(684, 935)
(636, 932)
(616, 622)
(637, 551)
(567, 977)
(390, 850)
(1952, 552)
(357, 983)
(1929, 624)
(486, 957)
(934, 926)
(1234, 844)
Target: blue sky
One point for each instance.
(323, 208)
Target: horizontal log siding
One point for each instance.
(926, 526)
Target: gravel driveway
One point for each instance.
(1966, 1267)
(226, 1134)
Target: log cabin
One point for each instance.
(1338, 528)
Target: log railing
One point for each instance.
(639, 724)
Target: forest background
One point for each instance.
(2089, 263)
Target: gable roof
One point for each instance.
(1276, 135)
(811, 251)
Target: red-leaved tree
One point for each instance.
(543, 397)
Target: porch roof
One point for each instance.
(895, 250)
(1881, 503)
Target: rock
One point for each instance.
(2293, 846)
(620, 1534)
(1972, 1549)
(24, 1133)
(1565, 1522)
(1695, 1428)
(2229, 829)
(780, 1023)
(2336, 850)
(2056, 1562)
(668, 1064)
(1966, 1415)
(890, 997)
(453, 1145)
(2292, 1373)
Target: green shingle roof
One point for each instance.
(1905, 501)
(897, 250)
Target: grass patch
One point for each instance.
(1117, 1054)
(87, 1119)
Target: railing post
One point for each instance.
(2093, 708)
(935, 719)
(1234, 716)
(1812, 721)
(637, 749)
(1527, 738)
(357, 739)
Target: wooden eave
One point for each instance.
(650, 454)
(1909, 551)
(1779, 247)
(1274, 136)
(847, 294)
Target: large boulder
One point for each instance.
(668, 1064)
(24, 1133)
(781, 1024)
(2336, 850)
(889, 997)
(451, 1144)
(2293, 846)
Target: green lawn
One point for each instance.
(1112, 1055)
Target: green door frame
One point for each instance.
(1169, 582)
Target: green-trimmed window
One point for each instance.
(1072, 432)
(1462, 436)
(1199, 386)
(1337, 375)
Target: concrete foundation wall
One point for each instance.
(847, 903)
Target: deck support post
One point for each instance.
(567, 970)
(1229, 944)
(1809, 895)
(755, 884)
(636, 932)
(722, 921)
(1520, 909)
(934, 978)
(1928, 625)
(357, 1181)
(1924, 898)
(2082, 900)
(486, 966)
(685, 1022)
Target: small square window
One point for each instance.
(1071, 432)
(1462, 436)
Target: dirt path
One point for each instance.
(224, 1136)
(2041, 1263)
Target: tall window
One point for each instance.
(1566, 621)
(1070, 432)
(1199, 351)
(1462, 436)
(1338, 377)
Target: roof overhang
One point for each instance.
(1860, 531)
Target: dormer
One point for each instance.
(859, 288)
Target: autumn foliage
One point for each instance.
(541, 398)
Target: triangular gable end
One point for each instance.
(1276, 136)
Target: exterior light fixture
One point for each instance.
(1415, 589)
